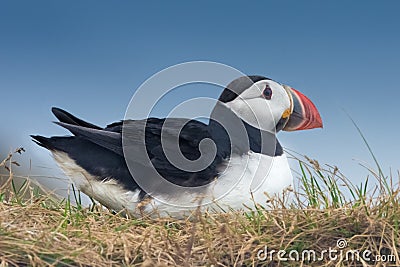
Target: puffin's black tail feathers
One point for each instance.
(43, 141)
(57, 143)
(66, 117)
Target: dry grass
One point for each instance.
(39, 230)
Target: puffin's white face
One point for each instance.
(262, 105)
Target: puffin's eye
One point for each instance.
(267, 93)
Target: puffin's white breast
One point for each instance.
(260, 175)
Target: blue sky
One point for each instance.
(89, 57)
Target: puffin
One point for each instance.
(173, 166)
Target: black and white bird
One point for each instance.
(127, 166)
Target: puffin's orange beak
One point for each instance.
(304, 114)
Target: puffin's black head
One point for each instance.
(269, 105)
(238, 86)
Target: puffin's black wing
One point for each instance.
(99, 151)
(190, 136)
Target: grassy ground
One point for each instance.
(331, 222)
